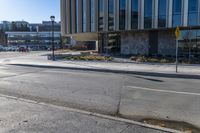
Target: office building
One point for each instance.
(133, 27)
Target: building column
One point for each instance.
(105, 15)
(96, 15)
(88, 16)
(155, 14)
(68, 17)
(80, 16)
(73, 16)
(116, 18)
(185, 12)
(169, 13)
(63, 17)
(141, 14)
(128, 14)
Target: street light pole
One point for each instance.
(190, 44)
(37, 30)
(53, 47)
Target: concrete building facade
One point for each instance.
(131, 27)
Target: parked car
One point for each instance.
(5, 49)
(12, 48)
(23, 49)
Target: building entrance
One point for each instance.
(109, 43)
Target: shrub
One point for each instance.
(164, 61)
(141, 59)
(89, 57)
(154, 60)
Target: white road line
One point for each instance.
(165, 91)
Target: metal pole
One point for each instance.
(37, 29)
(176, 55)
(190, 44)
(53, 47)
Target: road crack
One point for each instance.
(124, 129)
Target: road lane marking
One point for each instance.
(165, 91)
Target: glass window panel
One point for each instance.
(122, 14)
(176, 20)
(110, 15)
(176, 17)
(193, 5)
(147, 13)
(101, 18)
(162, 13)
(134, 14)
(193, 12)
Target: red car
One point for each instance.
(22, 49)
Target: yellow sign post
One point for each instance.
(177, 34)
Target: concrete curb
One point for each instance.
(155, 74)
(94, 114)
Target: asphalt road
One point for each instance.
(125, 95)
(106, 93)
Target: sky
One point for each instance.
(33, 11)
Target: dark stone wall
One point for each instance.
(166, 43)
(134, 43)
(137, 43)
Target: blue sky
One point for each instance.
(34, 11)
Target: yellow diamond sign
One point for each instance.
(177, 32)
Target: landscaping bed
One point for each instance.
(183, 60)
(152, 59)
(89, 58)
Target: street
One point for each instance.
(127, 95)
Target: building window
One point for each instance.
(162, 13)
(176, 13)
(134, 14)
(101, 16)
(147, 13)
(84, 15)
(92, 15)
(193, 12)
(122, 14)
(110, 15)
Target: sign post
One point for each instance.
(177, 33)
(176, 55)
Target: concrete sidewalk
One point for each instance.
(166, 70)
(20, 115)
